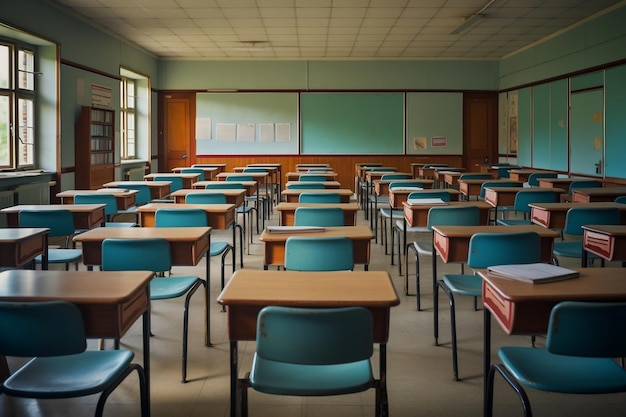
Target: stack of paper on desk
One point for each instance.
(425, 201)
(537, 273)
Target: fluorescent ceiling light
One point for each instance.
(472, 19)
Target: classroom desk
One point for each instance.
(416, 215)
(397, 196)
(158, 189)
(125, 198)
(287, 211)
(524, 309)
(219, 167)
(233, 196)
(381, 187)
(559, 182)
(209, 172)
(597, 194)
(605, 241)
(248, 291)
(110, 302)
(20, 245)
(306, 167)
(260, 177)
(86, 216)
(416, 166)
(276, 170)
(295, 176)
(335, 185)
(505, 196)
(441, 172)
(292, 195)
(250, 186)
(361, 236)
(219, 216)
(188, 179)
(188, 246)
(471, 188)
(523, 174)
(450, 178)
(552, 215)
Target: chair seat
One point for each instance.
(217, 248)
(423, 248)
(165, 288)
(397, 214)
(570, 250)
(463, 284)
(400, 226)
(86, 373)
(307, 380)
(564, 374)
(62, 256)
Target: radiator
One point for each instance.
(35, 193)
(135, 174)
(7, 199)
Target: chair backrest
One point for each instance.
(584, 184)
(533, 179)
(176, 183)
(45, 328)
(590, 329)
(621, 199)
(143, 196)
(319, 198)
(225, 185)
(433, 166)
(318, 170)
(60, 222)
(319, 216)
(475, 176)
(443, 195)
(193, 170)
(314, 336)
(396, 177)
(318, 253)
(503, 172)
(98, 198)
(183, 217)
(453, 216)
(205, 198)
(312, 178)
(526, 196)
(306, 186)
(382, 169)
(576, 217)
(493, 184)
(240, 178)
(489, 249)
(406, 184)
(255, 169)
(145, 254)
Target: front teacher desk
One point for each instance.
(248, 291)
(361, 237)
(524, 309)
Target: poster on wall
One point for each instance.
(513, 130)
(101, 96)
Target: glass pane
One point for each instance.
(5, 66)
(26, 132)
(5, 144)
(26, 70)
(131, 94)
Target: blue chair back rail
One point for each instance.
(319, 216)
(319, 254)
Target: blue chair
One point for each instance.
(621, 199)
(246, 209)
(52, 334)
(437, 216)
(319, 216)
(142, 197)
(194, 170)
(533, 179)
(61, 224)
(176, 183)
(523, 198)
(318, 198)
(153, 254)
(267, 196)
(485, 249)
(186, 217)
(218, 198)
(475, 176)
(385, 199)
(306, 186)
(399, 225)
(582, 341)
(581, 184)
(314, 352)
(319, 254)
(575, 218)
(495, 184)
(375, 199)
(110, 208)
(312, 178)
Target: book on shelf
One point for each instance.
(425, 201)
(294, 229)
(535, 273)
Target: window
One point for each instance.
(17, 106)
(128, 119)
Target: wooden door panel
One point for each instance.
(177, 128)
(480, 129)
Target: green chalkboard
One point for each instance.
(352, 123)
(615, 122)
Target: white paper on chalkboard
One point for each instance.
(203, 128)
(283, 132)
(266, 132)
(226, 132)
(246, 132)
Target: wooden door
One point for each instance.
(480, 129)
(177, 130)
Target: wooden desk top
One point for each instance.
(597, 194)
(172, 234)
(16, 234)
(522, 308)
(259, 175)
(150, 177)
(613, 229)
(203, 184)
(114, 191)
(227, 192)
(292, 206)
(351, 232)
(464, 231)
(569, 205)
(310, 289)
(211, 208)
(74, 208)
(219, 216)
(327, 184)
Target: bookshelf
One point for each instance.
(95, 147)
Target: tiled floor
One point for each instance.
(419, 374)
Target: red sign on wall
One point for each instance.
(439, 141)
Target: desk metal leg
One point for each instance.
(435, 297)
(207, 302)
(486, 353)
(44, 255)
(146, 351)
(383, 380)
(234, 372)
